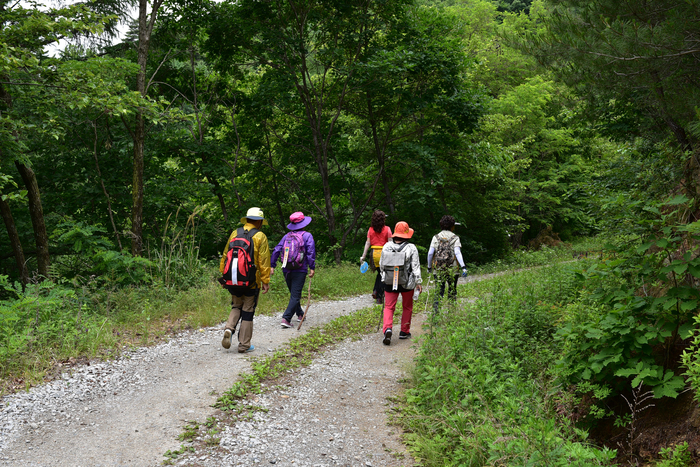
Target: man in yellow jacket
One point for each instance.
(245, 299)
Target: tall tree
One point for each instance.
(639, 54)
(9, 221)
(24, 34)
(146, 22)
(310, 49)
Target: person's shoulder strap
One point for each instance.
(248, 233)
(403, 245)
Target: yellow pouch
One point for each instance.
(376, 254)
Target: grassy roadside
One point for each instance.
(522, 259)
(482, 391)
(52, 326)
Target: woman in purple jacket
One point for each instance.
(298, 253)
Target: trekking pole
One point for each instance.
(381, 313)
(307, 306)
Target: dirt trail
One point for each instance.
(130, 412)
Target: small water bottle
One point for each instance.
(416, 293)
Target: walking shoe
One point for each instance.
(286, 324)
(226, 341)
(249, 349)
(404, 335)
(299, 317)
(387, 337)
(374, 294)
(379, 301)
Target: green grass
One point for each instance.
(52, 323)
(482, 393)
(522, 259)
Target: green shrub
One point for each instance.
(481, 390)
(641, 302)
(677, 456)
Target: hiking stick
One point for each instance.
(307, 306)
(381, 314)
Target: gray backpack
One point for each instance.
(395, 264)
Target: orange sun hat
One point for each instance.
(402, 230)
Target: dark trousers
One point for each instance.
(295, 284)
(379, 286)
(442, 279)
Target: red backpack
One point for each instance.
(239, 268)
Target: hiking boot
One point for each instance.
(226, 341)
(374, 294)
(286, 324)
(387, 337)
(379, 301)
(404, 335)
(249, 349)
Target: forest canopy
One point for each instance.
(510, 116)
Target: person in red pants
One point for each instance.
(400, 267)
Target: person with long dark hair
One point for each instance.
(377, 236)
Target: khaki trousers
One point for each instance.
(243, 309)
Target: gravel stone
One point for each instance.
(131, 410)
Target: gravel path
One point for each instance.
(333, 412)
(130, 411)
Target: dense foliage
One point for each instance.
(126, 162)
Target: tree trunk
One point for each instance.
(37, 215)
(379, 151)
(146, 22)
(275, 187)
(14, 241)
(137, 188)
(104, 189)
(322, 162)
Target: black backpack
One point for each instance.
(239, 267)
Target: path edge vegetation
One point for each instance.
(235, 403)
(55, 326)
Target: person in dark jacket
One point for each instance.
(295, 277)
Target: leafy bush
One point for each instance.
(645, 299)
(45, 318)
(677, 456)
(92, 258)
(481, 390)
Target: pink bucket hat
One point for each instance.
(299, 221)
